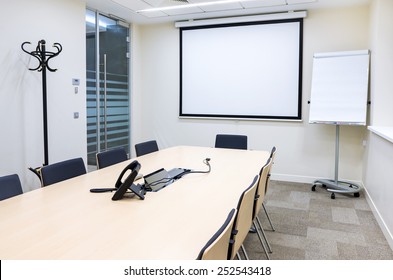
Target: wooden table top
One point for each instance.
(66, 221)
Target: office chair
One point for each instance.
(259, 197)
(107, 158)
(243, 220)
(218, 245)
(272, 155)
(146, 148)
(61, 171)
(10, 186)
(231, 141)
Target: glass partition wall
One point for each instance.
(107, 84)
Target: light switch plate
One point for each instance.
(75, 82)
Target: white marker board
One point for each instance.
(339, 88)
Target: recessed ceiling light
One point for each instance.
(193, 5)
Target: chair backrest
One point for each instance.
(243, 220)
(273, 153)
(61, 171)
(10, 186)
(230, 141)
(260, 193)
(110, 157)
(272, 156)
(146, 148)
(217, 246)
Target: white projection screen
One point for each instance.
(243, 70)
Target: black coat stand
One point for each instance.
(43, 56)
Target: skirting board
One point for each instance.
(292, 178)
(309, 180)
(385, 230)
(302, 179)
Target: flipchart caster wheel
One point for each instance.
(333, 196)
(313, 188)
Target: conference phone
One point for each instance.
(154, 181)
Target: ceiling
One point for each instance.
(133, 10)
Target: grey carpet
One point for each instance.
(312, 226)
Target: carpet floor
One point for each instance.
(312, 226)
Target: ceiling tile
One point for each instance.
(183, 11)
(262, 3)
(292, 2)
(222, 7)
(153, 3)
(153, 14)
(133, 5)
(202, 1)
(167, 3)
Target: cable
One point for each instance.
(171, 179)
(205, 161)
(159, 181)
(101, 190)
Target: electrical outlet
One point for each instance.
(76, 115)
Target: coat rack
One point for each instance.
(43, 56)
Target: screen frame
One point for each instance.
(295, 117)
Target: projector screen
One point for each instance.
(243, 70)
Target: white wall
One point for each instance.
(381, 63)
(136, 86)
(378, 181)
(21, 146)
(378, 160)
(305, 151)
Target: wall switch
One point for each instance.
(76, 115)
(76, 89)
(75, 82)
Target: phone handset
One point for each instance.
(131, 167)
(127, 184)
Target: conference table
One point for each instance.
(66, 221)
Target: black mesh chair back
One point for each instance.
(108, 158)
(230, 141)
(10, 186)
(146, 148)
(61, 171)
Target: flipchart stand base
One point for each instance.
(333, 186)
(337, 186)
